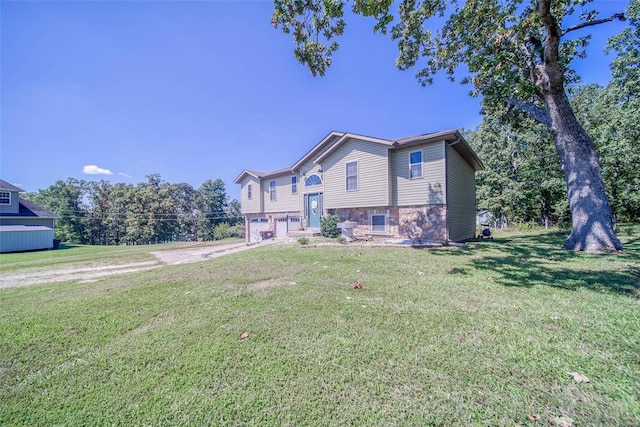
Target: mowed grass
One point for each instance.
(479, 336)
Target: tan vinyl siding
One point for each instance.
(373, 175)
(461, 197)
(285, 201)
(430, 189)
(254, 204)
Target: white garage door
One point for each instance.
(281, 227)
(294, 223)
(255, 227)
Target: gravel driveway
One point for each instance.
(93, 272)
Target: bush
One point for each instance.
(329, 226)
(222, 231)
(237, 231)
(303, 240)
(342, 239)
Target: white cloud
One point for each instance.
(95, 170)
(124, 174)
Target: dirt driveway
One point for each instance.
(86, 273)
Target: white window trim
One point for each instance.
(347, 176)
(8, 196)
(421, 164)
(386, 223)
(272, 194)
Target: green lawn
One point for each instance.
(479, 336)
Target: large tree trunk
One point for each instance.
(592, 220)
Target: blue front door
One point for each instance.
(313, 208)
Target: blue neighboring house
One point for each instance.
(24, 226)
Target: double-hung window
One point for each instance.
(249, 192)
(415, 164)
(294, 184)
(5, 198)
(352, 176)
(272, 190)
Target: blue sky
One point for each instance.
(197, 90)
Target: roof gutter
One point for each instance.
(454, 142)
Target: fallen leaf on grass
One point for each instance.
(244, 336)
(535, 417)
(579, 378)
(357, 285)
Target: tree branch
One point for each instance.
(619, 16)
(530, 109)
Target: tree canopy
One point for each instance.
(517, 55)
(154, 211)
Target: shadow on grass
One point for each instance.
(532, 260)
(64, 246)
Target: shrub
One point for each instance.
(237, 231)
(342, 239)
(303, 240)
(329, 226)
(222, 231)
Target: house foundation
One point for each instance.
(427, 222)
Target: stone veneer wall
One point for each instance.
(426, 222)
(423, 222)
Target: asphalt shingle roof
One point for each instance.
(4, 185)
(28, 209)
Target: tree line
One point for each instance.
(155, 211)
(523, 180)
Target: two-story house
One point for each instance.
(419, 187)
(24, 226)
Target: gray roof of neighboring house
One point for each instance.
(28, 209)
(24, 228)
(4, 185)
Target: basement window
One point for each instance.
(378, 223)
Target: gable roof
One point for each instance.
(245, 172)
(335, 139)
(451, 137)
(347, 136)
(259, 175)
(317, 149)
(28, 209)
(4, 185)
